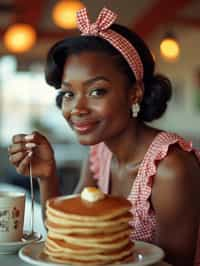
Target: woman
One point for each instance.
(108, 90)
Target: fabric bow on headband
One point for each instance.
(105, 19)
(101, 28)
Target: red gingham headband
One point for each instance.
(101, 28)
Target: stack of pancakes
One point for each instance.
(88, 233)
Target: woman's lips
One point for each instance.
(84, 128)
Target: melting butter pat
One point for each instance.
(92, 194)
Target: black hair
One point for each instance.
(157, 87)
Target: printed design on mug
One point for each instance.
(15, 217)
(4, 220)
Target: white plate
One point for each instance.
(145, 254)
(13, 247)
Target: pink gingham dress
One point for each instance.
(144, 222)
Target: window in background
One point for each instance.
(27, 103)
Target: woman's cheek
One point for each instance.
(66, 112)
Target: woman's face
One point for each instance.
(96, 101)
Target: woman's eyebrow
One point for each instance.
(90, 81)
(87, 82)
(65, 83)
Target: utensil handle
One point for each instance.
(32, 199)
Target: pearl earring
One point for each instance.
(135, 109)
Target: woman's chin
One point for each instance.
(87, 140)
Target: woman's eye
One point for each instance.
(68, 94)
(98, 92)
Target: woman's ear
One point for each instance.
(136, 93)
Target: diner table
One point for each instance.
(13, 259)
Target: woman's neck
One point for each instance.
(131, 144)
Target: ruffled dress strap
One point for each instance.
(145, 220)
(100, 160)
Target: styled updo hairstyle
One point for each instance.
(157, 88)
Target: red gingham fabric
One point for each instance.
(101, 28)
(144, 222)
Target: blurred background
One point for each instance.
(29, 28)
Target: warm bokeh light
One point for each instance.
(19, 38)
(64, 13)
(170, 49)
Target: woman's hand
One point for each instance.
(35, 148)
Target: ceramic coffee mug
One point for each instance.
(12, 205)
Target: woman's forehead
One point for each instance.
(89, 64)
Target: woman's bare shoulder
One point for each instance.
(177, 182)
(179, 164)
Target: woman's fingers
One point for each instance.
(19, 144)
(35, 137)
(14, 148)
(34, 144)
(23, 142)
(19, 147)
(43, 147)
(22, 168)
(18, 138)
(16, 158)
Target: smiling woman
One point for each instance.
(91, 90)
(108, 90)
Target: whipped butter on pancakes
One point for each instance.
(89, 229)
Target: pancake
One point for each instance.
(75, 208)
(112, 255)
(90, 238)
(72, 229)
(124, 218)
(84, 231)
(84, 243)
(56, 245)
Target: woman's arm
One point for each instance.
(175, 199)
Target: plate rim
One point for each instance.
(138, 243)
(13, 247)
(19, 242)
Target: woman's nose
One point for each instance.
(80, 106)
